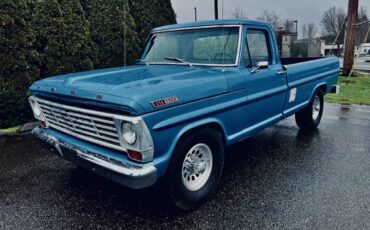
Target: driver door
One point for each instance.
(266, 87)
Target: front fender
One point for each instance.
(168, 126)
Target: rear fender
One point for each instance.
(322, 85)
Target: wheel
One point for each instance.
(309, 118)
(195, 168)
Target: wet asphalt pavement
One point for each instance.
(279, 179)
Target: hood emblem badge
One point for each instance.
(73, 92)
(164, 101)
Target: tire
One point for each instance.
(190, 179)
(309, 118)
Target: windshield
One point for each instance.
(194, 46)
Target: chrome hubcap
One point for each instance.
(197, 167)
(316, 107)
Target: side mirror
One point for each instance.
(260, 65)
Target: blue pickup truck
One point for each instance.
(197, 89)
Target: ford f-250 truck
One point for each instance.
(198, 88)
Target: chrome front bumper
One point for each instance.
(131, 176)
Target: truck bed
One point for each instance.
(305, 75)
(289, 61)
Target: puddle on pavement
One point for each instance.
(344, 108)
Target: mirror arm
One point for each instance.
(260, 65)
(254, 70)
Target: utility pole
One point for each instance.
(296, 27)
(349, 49)
(195, 13)
(216, 9)
(296, 37)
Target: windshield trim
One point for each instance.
(237, 59)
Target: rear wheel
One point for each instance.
(309, 118)
(195, 168)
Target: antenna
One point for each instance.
(223, 51)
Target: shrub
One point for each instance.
(113, 31)
(18, 57)
(63, 37)
(14, 108)
(40, 38)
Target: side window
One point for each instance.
(257, 48)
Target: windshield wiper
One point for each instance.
(141, 61)
(178, 60)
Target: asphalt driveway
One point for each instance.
(279, 179)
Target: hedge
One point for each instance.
(41, 38)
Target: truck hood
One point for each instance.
(137, 87)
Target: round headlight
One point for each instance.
(36, 110)
(129, 133)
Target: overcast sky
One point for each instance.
(305, 11)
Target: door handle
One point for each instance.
(281, 72)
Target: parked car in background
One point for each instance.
(363, 50)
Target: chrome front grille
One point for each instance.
(93, 126)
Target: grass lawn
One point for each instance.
(11, 130)
(353, 90)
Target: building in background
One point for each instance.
(291, 47)
(286, 44)
(299, 48)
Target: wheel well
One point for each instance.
(215, 126)
(323, 88)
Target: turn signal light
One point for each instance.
(42, 124)
(134, 155)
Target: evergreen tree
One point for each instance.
(151, 13)
(81, 49)
(63, 37)
(19, 58)
(18, 62)
(39, 38)
(50, 27)
(113, 31)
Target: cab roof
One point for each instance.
(211, 23)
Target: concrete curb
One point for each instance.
(24, 130)
(2, 135)
(28, 127)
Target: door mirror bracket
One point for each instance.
(260, 65)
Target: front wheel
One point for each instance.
(195, 168)
(309, 118)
